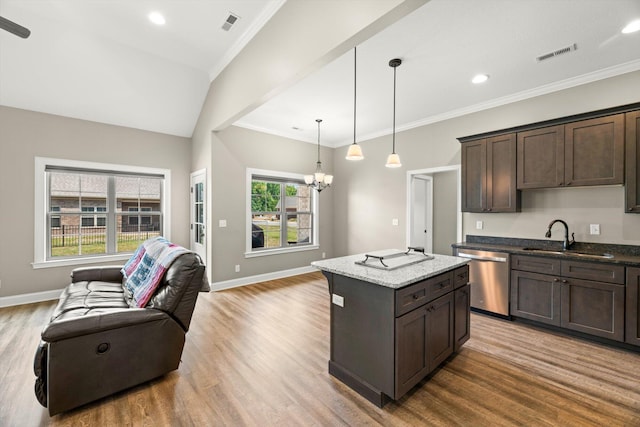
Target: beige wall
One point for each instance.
(370, 195)
(25, 135)
(234, 150)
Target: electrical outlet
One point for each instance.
(337, 300)
(479, 225)
(324, 255)
(222, 223)
(594, 229)
(237, 268)
(0, 283)
(394, 221)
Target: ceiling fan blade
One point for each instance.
(14, 28)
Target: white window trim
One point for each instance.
(265, 252)
(40, 206)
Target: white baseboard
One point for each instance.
(30, 298)
(234, 283)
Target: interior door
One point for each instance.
(422, 212)
(198, 214)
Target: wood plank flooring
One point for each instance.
(257, 356)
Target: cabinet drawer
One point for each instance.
(414, 296)
(460, 276)
(535, 264)
(611, 273)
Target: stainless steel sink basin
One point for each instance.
(573, 253)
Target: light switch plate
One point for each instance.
(337, 300)
(594, 229)
(394, 221)
(222, 223)
(479, 225)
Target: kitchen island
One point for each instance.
(393, 326)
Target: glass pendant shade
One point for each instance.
(328, 179)
(308, 179)
(393, 161)
(355, 152)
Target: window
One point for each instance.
(282, 213)
(86, 212)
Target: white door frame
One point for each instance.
(427, 197)
(199, 248)
(411, 175)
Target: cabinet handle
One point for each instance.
(630, 209)
(415, 296)
(565, 281)
(556, 279)
(568, 183)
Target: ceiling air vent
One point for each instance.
(231, 19)
(557, 53)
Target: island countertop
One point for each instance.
(394, 279)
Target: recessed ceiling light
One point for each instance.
(157, 18)
(631, 27)
(480, 78)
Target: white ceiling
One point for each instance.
(102, 60)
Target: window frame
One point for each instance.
(41, 206)
(315, 211)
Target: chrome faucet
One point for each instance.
(566, 244)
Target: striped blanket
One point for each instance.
(144, 270)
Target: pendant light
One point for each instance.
(319, 180)
(393, 161)
(355, 151)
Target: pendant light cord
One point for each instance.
(394, 110)
(355, 80)
(318, 120)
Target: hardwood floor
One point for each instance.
(258, 356)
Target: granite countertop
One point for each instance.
(622, 254)
(396, 278)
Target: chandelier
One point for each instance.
(319, 180)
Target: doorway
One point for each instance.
(434, 216)
(198, 230)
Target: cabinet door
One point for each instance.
(474, 172)
(412, 363)
(440, 330)
(632, 332)
(535, 296)
(594, 151)
(541, 158)
(594, 308)
(632, 158)
(462, 320)
(502, 195)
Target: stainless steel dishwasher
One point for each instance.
(489, 279)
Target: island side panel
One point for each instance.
(362, 336)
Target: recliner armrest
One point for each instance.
(106, 273)
(94, 323)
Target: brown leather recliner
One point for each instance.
(96, 344)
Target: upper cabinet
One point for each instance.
(489, 175)
(594, 151)
(586, 152)
(632, 156)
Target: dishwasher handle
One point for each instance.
(482, 258)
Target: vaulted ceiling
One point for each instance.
(104, 61)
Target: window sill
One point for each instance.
(80, 261)
(267, 252)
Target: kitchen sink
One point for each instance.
(573, 253)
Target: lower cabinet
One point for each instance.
(384, 341)
(568, 299)
(632, 330)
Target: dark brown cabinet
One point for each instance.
(462, 317)
(489, 175)
(583, 296)
(581, 153)
(632, 162)
(384, 341)
(424, 339)
(540, 158)
(632, 327)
